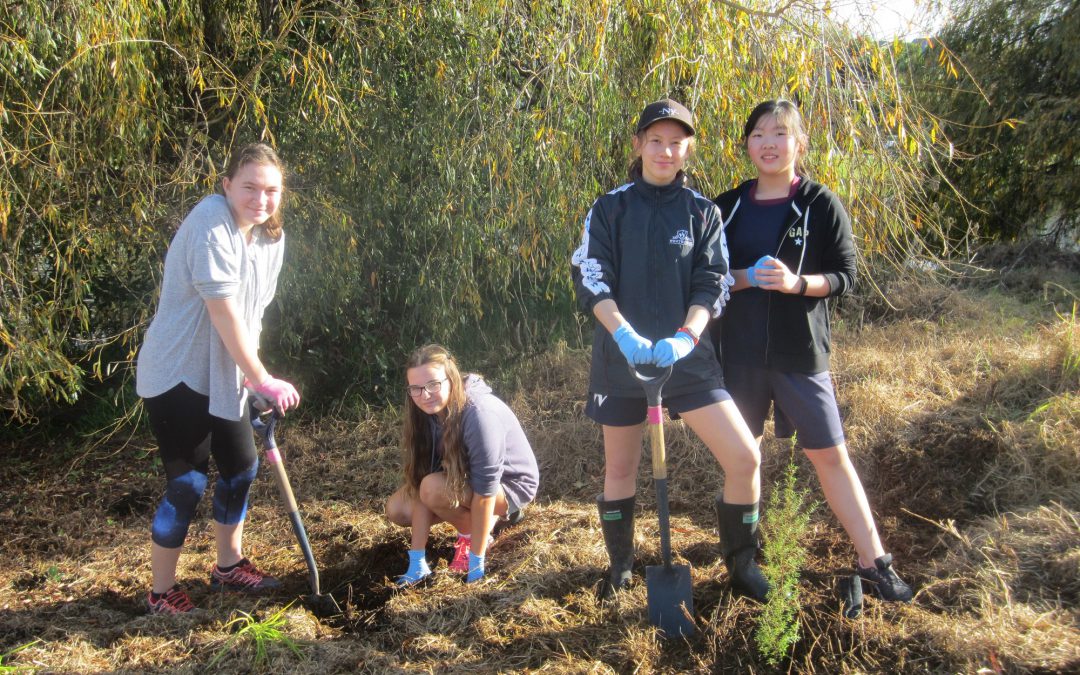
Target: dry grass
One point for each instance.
(964, 423)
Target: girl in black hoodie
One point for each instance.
(791, 249)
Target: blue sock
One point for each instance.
(476, 568)
(418, 569)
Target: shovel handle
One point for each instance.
(273, 457)
(656, 443)
(652, 379)
(265, 429)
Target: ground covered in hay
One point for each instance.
(962, 406)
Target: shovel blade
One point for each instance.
(322, 605)
(671, 599)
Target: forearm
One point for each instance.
(742, 281)
(227, 322)
(817, 286)
(697, 318)
(482, 511)
(608, 314)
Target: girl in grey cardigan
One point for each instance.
(221, 271)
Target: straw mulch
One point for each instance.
(965, 428)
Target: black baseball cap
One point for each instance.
(665, 109)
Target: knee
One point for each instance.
(230, 495)
(177, 509)
(745, 463)
(396, 512)
(621, 466)
(432, 492)
(828, 459)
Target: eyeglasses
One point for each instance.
(432, 387)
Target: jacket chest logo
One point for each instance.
(682, 238)
(796, 234)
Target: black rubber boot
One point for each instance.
(739, 544)
(617, 523)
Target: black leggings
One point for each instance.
(188, 435)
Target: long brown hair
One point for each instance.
(418, 446)
(260, 153)
(786, 114)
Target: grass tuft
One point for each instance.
(262, 636)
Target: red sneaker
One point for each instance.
(460, 562)
(243, 577)
(172, 601)
(462, 548)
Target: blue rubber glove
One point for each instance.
(418, 569)
(669, 350)
(751, 272)
(476, 568)
(635, 348)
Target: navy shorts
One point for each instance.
(802, 403)
(624, 411)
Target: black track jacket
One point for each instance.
(655, 251)
(816, 240)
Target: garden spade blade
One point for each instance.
(671, 593)
(321, 605)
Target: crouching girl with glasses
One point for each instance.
(467, 462)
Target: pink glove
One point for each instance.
(283, 394)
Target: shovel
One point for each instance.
(320, 605)
(671, 598)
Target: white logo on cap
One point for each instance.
(667, 111)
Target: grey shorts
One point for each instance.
(802, 403)
(624, 411)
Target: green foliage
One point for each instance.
(787, 528)
(262, 636)
(7, 668)
(442, 157)
(1009, 95)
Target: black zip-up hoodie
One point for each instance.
(816, 239)
(655, 251)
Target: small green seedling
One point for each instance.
(6, 668)
(261, 634)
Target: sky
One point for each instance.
(887, 19)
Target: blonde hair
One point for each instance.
(259, 153)
(418, 445)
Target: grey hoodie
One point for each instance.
(499, 452)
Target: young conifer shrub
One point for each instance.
(786, 530)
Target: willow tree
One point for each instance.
(442, 156)
(1010, 110)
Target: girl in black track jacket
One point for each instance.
(652, 269)
(791, 250)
